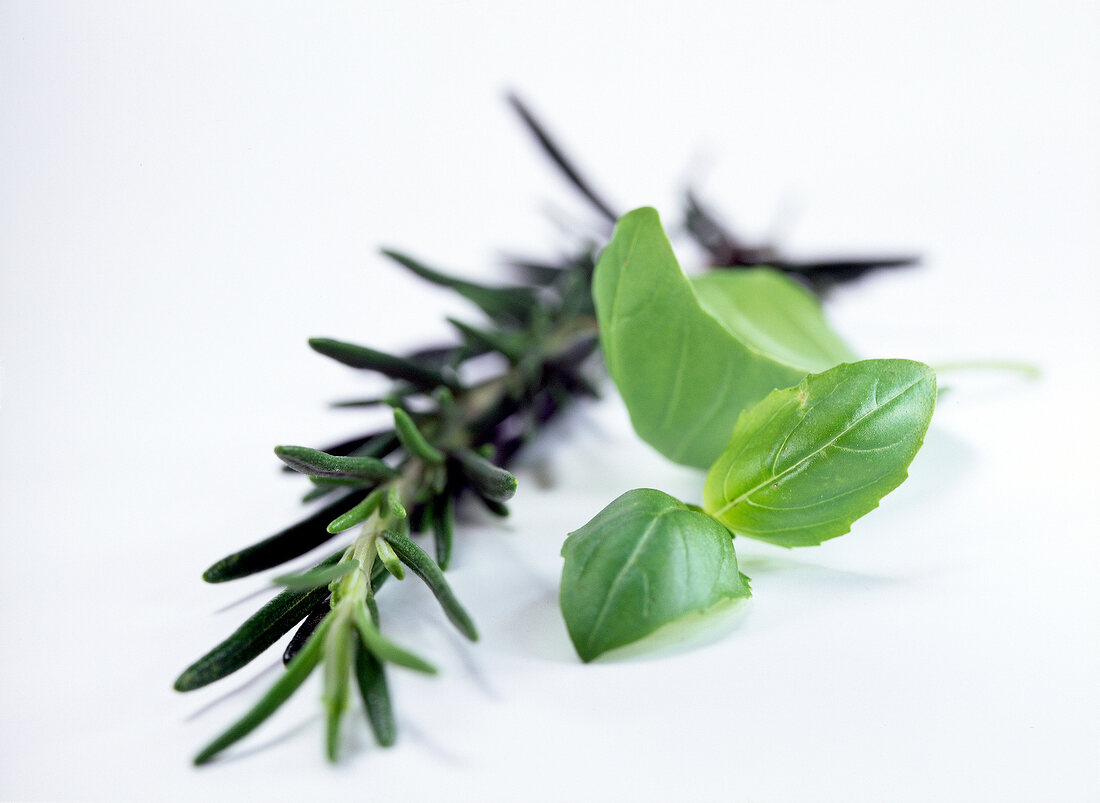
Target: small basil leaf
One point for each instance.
(806, 462)
(644, 561)
(687, 357)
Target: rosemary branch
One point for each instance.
(402, 480)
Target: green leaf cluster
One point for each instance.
(736, 372)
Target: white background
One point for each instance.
(189, 191)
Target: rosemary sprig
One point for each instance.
(402, 480)
(406, 479)
(726, 250)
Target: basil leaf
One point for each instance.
(806, 462)
(688, 357)
(645, 560)
(772, 314)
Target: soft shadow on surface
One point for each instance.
(537, 629)
(461, 648)
(805, 572)
(693, 632)
(259, 592)
(285, 736)
(939, 466)
(439, 751)
(233, 692)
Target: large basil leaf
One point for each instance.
(806, 462)
(689, 357)
(645, 560)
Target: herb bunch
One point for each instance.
(452, 436)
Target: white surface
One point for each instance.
(188, 192)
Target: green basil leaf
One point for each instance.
(772, 314)
(806, 462)
(644, 561)
(687, 356)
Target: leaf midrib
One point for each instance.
(630, 562)
(790, 469)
